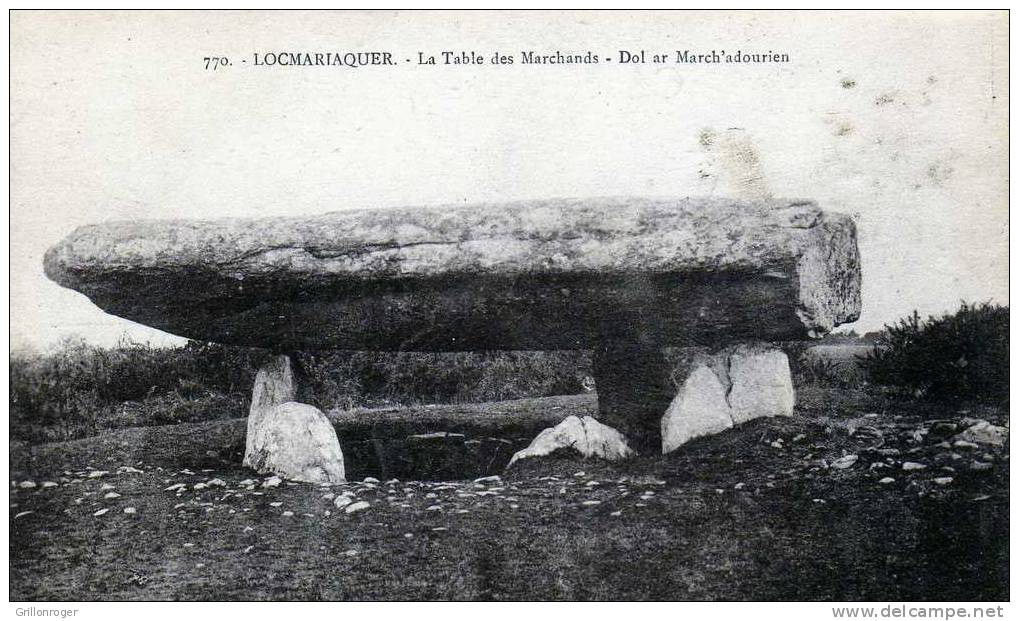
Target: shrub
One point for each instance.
(68, 392)
(957, 356)
(80, 389)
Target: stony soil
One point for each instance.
(821, 506)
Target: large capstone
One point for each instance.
(558, 274)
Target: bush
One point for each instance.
(80, 389)
(67, 393)
(953, 357)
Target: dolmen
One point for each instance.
(628, 278)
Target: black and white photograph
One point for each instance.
(443, 306)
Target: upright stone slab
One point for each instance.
(634, 390)
(274, 385)
(297, 442)
(715, 392)
(760, 382)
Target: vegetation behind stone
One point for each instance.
(79, 389)
(957, 356)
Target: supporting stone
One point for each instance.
(293, 440)
(659, 404)
(632, 382)
(297, 442)
(274, 385)
(727, 388)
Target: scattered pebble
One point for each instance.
(47, 484)
(371, 480)
(27, 484)
(342, 501)
(272, 481)
(176, 487)
(616, 513)
(591, 503)
(943, 480)
(845, 462)
(434, 508)
(130, 510)
(886, 481)
(23, 514)
(357, 506)
(275, 504)
(111, 495)
(288, 514)
(912, 465)
(100, 512)
(490, 479)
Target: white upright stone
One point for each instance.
(274, 385)
(699, 409)
(762, 384)
(716, 392)
(297, 442)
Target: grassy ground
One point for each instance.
(754, 513)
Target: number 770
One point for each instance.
(215, 62)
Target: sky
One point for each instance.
(899, 119)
